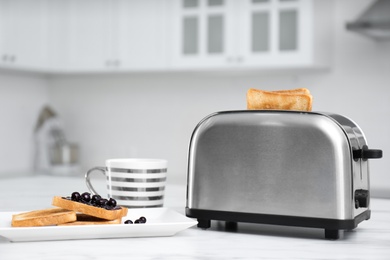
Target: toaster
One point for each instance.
(293, 168)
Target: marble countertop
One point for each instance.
(370, 240)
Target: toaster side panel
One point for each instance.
(296, 164)
(360, 168)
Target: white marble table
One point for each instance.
(371, 240)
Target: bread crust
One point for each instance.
(279, 100)
(89, 210)
(43, 217)
(303, 91)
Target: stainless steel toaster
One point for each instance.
(307, 169)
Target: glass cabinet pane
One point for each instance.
(215, 2)
(288, 30)
(190, 3)
(215, 34)
(190, 35)
(259, 1)
(260, 31)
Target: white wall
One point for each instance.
(21, 98)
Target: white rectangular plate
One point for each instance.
(160, 222)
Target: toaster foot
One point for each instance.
(332, 234)
(204, 223)
(231, 226)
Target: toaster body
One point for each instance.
(279, 167)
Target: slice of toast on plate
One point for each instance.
(43, 217)
(107, 214)
(83, 219)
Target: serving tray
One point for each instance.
(160, 222)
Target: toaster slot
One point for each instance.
(361, 198)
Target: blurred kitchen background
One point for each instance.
(132, 78)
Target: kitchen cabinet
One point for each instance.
(23, 38)
(56, 36)
(105, 35)
(251, 33)
(58, 20)
(202, 33)
(143, 45)
(88, 30)
(81, 35)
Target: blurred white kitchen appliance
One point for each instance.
(53, 153)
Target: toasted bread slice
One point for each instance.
(83, 219)
(43, 217)
(293, 91)
(259, 99)
(88, 209)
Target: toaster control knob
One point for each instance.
(361, 198)
(366, 153)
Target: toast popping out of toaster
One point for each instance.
(290, 168)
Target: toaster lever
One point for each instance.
(366, 153)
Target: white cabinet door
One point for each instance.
(106, 35)
(89, 32)
(275, 33)
(265, 34)
(202, 34)
(23, 34)
(141, 41)
(58, 35)
(82, 35)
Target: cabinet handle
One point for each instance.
(8, 58)
(238, 59)
(113, 63)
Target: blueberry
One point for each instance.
(112, 202)
(128, 221)
(97, 203)
(96, 197)
(86, 197)
(75, 196)
(101, 203)
(141, 220)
